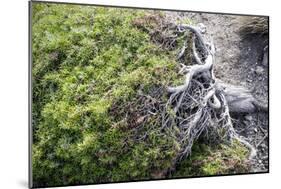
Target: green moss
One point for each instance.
(89, 63)
(213, 160)
(85, 60)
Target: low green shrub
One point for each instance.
(89, 64)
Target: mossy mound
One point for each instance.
(209, 160)
(90, 65)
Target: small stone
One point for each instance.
(249, 117)
(259, 70)
(251, 133)
(202, 28)
(260, 161)
(249, 80)
(243, 83)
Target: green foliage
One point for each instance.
(213, 160)
(85, 61)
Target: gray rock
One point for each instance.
(249, 118)
(202, 28)
(259, 70)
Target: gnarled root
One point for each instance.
(203, 103)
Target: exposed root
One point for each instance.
(203, 103)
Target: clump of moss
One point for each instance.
(90, 67)
(86, 60)
(214, 160)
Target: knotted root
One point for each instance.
(203, 103)
(200, 107)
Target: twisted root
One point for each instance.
(204, 103)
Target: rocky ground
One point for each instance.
(239, 62)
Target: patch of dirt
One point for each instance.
(239, 62)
